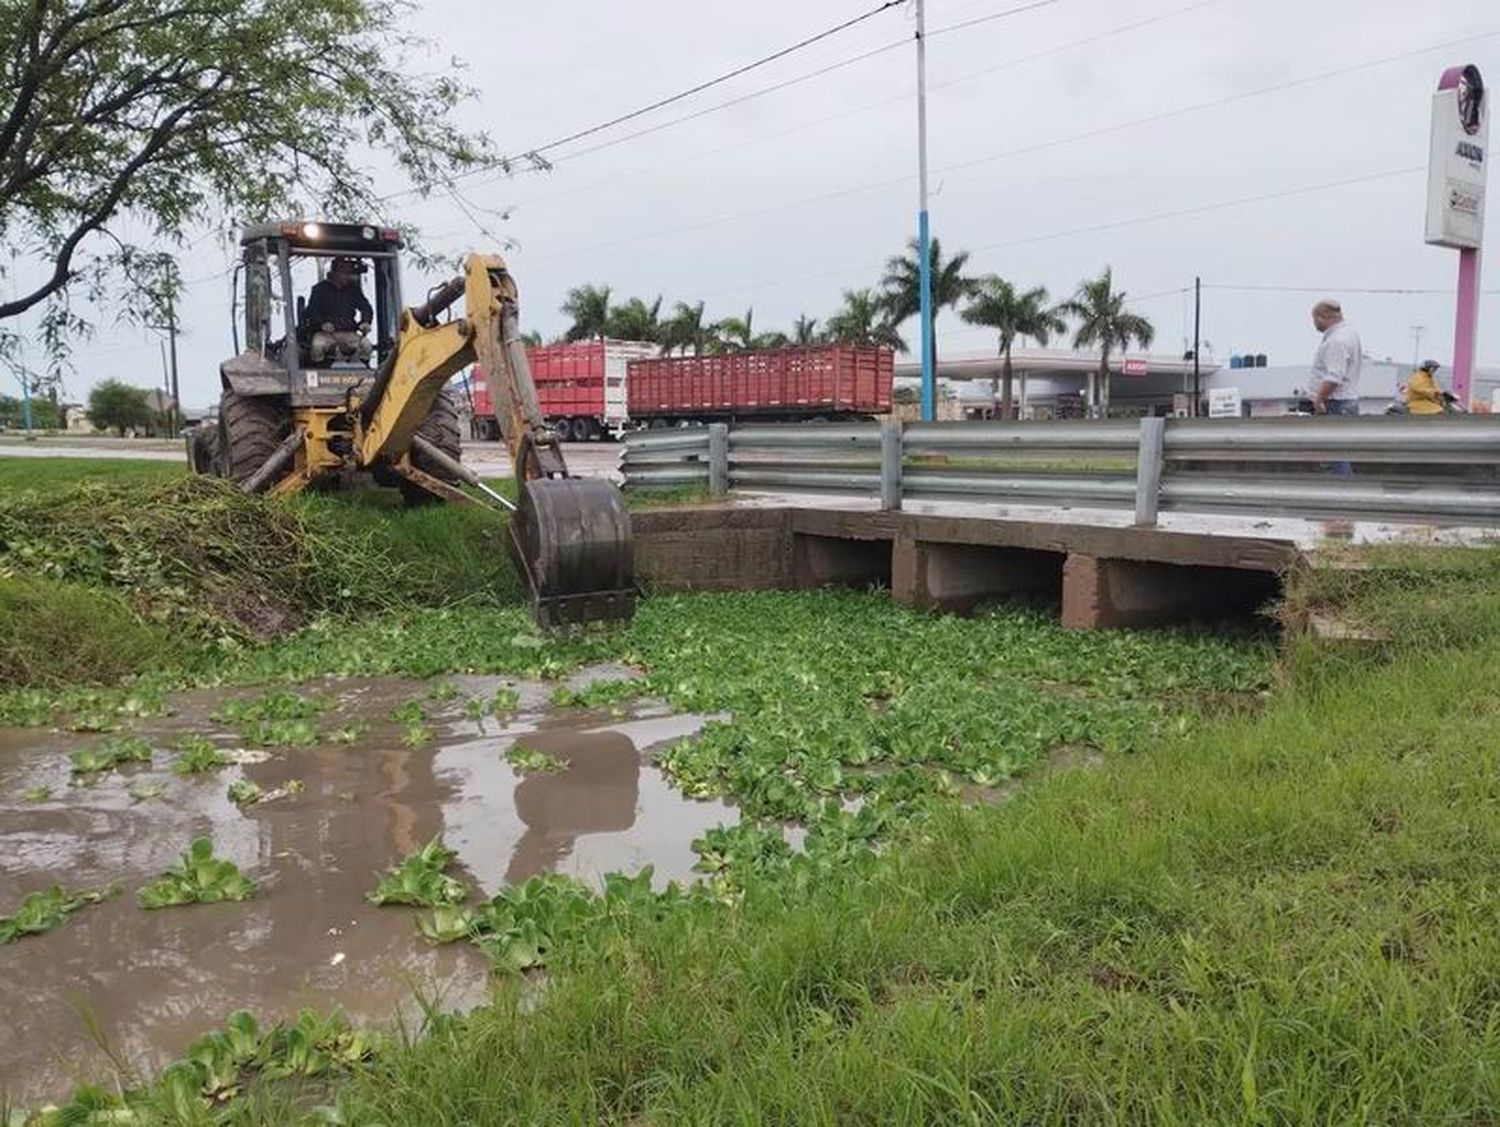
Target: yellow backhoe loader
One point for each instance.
(302, 405)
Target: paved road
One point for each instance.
(587, 459)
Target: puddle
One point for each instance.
(150, 982)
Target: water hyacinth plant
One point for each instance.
(198, 878)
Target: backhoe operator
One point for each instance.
(338, 315)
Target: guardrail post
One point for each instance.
(1148, 471)
(890, 464)
(718, 459)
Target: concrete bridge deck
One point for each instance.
(954, 555)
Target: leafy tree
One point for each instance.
(805, 331)
(901, 286)
(163, 116)
(686, 329)
(998, 305)
(863, 320)
(635, 320)
(532, 339)
(589, 308)
(1105, 323)
(45, 414)
(118, 405)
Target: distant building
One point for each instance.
(1051, 382)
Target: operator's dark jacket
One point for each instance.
(327, 303)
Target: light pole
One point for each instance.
(924, 231)
(1417, 333)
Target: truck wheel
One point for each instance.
(203, 451)
(581, 428)
(250, 429)
(595, 431)
(440, 428)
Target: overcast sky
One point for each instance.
(1042, 165)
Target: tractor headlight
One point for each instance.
(367, 234)
(311, 230)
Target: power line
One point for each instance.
(795, 80)
(1242, 201)
(1374, 290)
(681, 95)
(1200, 209)
(1180, 111)
(1050, 52)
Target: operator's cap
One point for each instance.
(1429, 366)
(346, 266)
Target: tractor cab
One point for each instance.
(281, 353)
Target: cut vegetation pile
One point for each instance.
(100, 579)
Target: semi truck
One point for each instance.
(594, 388)
(580, 386)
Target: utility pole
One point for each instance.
(1417, 332)
(175, 423)
(924, 231)
(1197, 344)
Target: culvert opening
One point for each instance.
(960, 577)
(832, 561)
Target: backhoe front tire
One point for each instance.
(250, 429)
(440, 428)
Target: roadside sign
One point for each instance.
(1224, 403)
(1134, 366)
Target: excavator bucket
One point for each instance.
(571, 540)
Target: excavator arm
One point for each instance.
(570, 537)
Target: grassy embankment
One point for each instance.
(1285, 914)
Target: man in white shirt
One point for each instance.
(1335, 368)
(1336, 364)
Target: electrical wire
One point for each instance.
(502, 169)
(1052, 142)
(661, 103)
(1200, 209)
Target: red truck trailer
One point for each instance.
(580, 385)
(592, 388)
(829, 381)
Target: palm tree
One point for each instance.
(805, 331)
(902, 290)
(588, 306)
(1105, 323)
(532, 339)
(635, 320)
(685, 329)
(863, 321)
(998, 306)
(735, 334)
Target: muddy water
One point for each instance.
(120, 982)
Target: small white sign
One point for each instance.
(1224, 403)
(1458, 162)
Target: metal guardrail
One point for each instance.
(1443, 470)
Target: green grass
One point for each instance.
(50, 475)
(55, 634)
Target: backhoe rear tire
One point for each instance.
(250, 429)
(440, 428)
